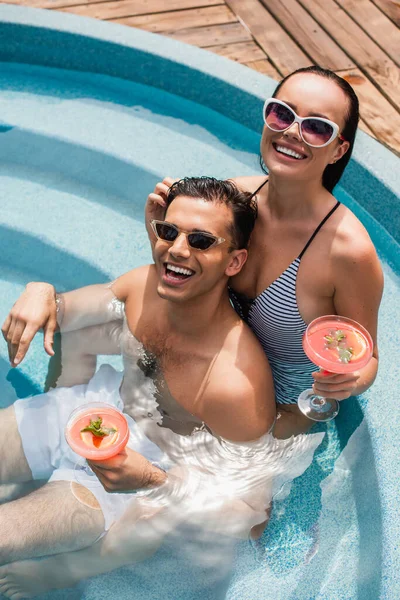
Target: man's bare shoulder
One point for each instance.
(239, 403)
(133, 282)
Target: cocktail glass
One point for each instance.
(95, 446)
(336, 345)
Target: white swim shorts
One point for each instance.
(41, 423)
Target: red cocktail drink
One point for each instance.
(337, 345)
(96, 431)
(112, 435)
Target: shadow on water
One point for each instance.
(4, 128)
(72, 168)
(39, 260)
(18, 386)
(55, 365)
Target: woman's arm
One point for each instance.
(358, 282)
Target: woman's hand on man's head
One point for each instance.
(35, 309)
(156, 201)
(156, 206)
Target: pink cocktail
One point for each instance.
(96, 431)
(337, 345)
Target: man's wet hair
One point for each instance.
(242, 204)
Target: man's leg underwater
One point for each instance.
(133, 538)
(14, 467)
(48, 521)
(15, 474)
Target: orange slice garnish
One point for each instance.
(357, 343)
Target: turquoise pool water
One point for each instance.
(79, 154)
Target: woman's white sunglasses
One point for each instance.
(314, 131)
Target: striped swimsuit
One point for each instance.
(275, 319)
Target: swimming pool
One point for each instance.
(92, 115)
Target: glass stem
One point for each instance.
(317, 401)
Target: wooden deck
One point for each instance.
(358, 39)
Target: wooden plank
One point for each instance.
(181, 19)
(265, 67)
(283, 52)
(365, 52)
(241, 52)
(129, 8)
(56, 4)
(391, 8)
(308, 34)
(211, 36)
(380, 116)
(376, 24)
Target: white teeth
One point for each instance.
(179, 269)
(289, 152)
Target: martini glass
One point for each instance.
(96, 431)
(336, 345)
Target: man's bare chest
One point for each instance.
(182, 368)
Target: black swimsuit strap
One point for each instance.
(324, 220)
(259, 188)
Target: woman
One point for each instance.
(309, 254)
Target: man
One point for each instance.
(212, 383)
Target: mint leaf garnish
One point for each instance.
(337, 339)
(97, 430)
(345, 355)
(97, 423)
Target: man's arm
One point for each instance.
(128, 471)
(40, 307)
(35, 309)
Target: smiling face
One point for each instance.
(284, 153)
(186, 273)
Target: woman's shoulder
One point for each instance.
(352, 251)
(249, 183)
(351, 235)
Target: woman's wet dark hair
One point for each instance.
(333, 172)
(242, 204)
